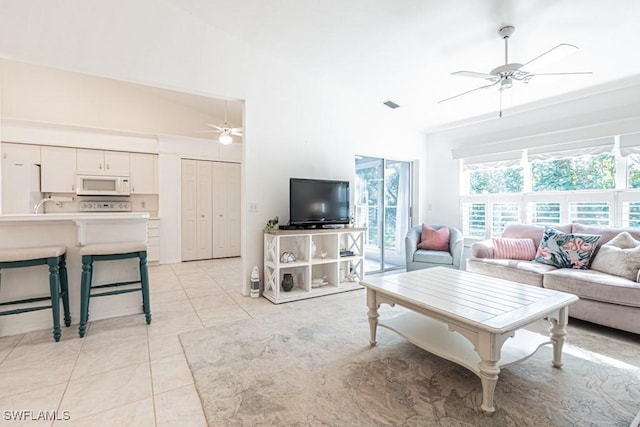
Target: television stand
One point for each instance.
(327, 261)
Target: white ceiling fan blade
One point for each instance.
(236, 132)
(216, 127)
(528, 77)
(467, 92)
(475, 75)
(552, 55)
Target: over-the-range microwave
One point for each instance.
(102, 185)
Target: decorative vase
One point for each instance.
(287, 282)
(313, 249)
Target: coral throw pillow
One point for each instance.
(566, 250)
(505, 248)
(434, 240)
(620, 256)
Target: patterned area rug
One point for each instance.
(311, 364)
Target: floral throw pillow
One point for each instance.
(566, 250)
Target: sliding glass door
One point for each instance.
(383, 206)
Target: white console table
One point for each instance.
(319, 257)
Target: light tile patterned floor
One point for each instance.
(125, 373)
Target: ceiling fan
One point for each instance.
(225, 130)
(506, 74)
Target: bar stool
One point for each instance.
(54, 257)
(108, 252)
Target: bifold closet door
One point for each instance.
(210, 210)
(196, 210)
(226, 210)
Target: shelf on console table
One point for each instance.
(317, 253)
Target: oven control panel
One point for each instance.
(105, 206)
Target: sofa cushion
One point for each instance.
(507, 248)
(435, 240)
(594, 285)
(620, 256)
(527, 272)
(516, 230)
(607, 233)
(566, 250)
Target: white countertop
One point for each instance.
(74, 216)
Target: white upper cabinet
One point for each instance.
(103, 162)
(143, 173)
(57, 170)
(21, 153)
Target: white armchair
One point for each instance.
(421, 258)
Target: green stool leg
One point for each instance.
(54, 286)
(144, 284)
(85, 291)
(64, 286)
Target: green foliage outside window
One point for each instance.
(506, 180)
(580, 173)
(633, 170)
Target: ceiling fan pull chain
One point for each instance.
(500, 113)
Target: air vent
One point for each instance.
(389, 103)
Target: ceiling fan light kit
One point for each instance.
(225, 130)
(507, 73)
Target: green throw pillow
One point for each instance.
(566, 250)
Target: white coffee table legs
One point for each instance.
(558, 331)
(372, 304)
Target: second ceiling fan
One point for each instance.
(504, 75)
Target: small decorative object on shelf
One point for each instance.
(287, 257)
(313, 249)
(323, 255)
(287, 282)
(316, 283)
(271, 224)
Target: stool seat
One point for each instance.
(113, 248)
(54, 257)
(30, 253)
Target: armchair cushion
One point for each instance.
(435, 240)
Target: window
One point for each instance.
(554, 185)
(505, 180)
(473, 219)
(633, 171)
(581, 173)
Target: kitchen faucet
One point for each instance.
(36, 208)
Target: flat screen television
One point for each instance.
(318, 202)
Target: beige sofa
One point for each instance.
(604, 299)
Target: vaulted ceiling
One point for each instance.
(405, 50)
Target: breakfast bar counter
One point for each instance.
(72, 230)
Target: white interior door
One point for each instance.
(189, 209)
(210, 210)
(226, 210)
(204, 208)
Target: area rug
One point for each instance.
(312, 365)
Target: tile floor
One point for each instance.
(124, 373)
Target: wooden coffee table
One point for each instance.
(473, 320)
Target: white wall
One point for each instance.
(293, 125)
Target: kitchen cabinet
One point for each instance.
(153, 240)
(58, 169)
(143, 173)
(21, 153)
(102, 162)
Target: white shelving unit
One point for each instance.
(317, 257)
